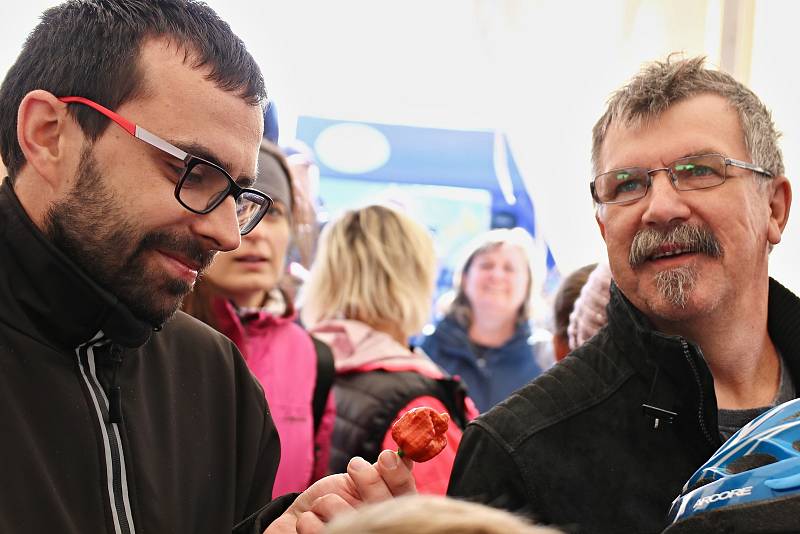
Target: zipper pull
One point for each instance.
(115, 393)
(115, 405)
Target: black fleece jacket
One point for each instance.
(575, 448)
(109, 427)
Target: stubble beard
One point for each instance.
(91, 228)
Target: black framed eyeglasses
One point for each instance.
(686, 174)
(202, 185)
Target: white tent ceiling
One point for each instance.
(538, 70)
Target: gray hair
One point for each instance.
(659, 85)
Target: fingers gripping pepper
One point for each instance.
(420, 433)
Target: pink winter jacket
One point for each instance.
(358, 348)
(282, 356)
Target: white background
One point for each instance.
(538, 70)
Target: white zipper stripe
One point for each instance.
(106, 444)
(124, 479)
(97, 394)
(118, 441)
(115, 427)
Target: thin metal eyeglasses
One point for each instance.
(202, 185)
(630, 184)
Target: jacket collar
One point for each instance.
(675, 366)
(230, 323)
(47, 296)
(357, 347)
(783, 323)
(634, 334)
(453, 335)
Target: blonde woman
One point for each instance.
(486, 336)
(369, 290)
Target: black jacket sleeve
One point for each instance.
(259, 521)
(484, 471)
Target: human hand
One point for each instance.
(363, 483)
(589, 311)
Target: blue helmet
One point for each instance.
(751, 484)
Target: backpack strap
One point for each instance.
(325, 374)
(453, 396)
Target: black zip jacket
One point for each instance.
(107, 427)
(575, 447)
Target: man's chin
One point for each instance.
(694, 306)
(160, 305)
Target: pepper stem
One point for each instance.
(400, 453)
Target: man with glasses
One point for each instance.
(130, 131)
(690, 197)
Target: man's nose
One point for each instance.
(664, 204)
(220, 228)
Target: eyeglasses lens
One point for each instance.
(205, 187)
(622, 185)
(250, 208)
(627, 185)
(698, 172)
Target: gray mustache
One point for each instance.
(696, 238)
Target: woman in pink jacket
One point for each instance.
(369, 290)
(240, 297)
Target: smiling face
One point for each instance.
(498, 280)
(121, 222)
(680, 255)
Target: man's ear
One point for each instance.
(42, 121)
(599, 221)
(779, 203)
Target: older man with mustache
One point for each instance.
(690, 197)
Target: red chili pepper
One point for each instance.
(420, 433)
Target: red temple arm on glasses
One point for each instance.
(125, 123)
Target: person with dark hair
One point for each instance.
(589, 310)
(240, 296)
(119, 414)
(562, 307)
(690, 198)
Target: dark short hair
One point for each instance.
(90, 48)
(567, 293)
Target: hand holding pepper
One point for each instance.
(420, 433)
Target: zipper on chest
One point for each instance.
(701, 399)
(106, 406)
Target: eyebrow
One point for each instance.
(700, 152)
(200, 151)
